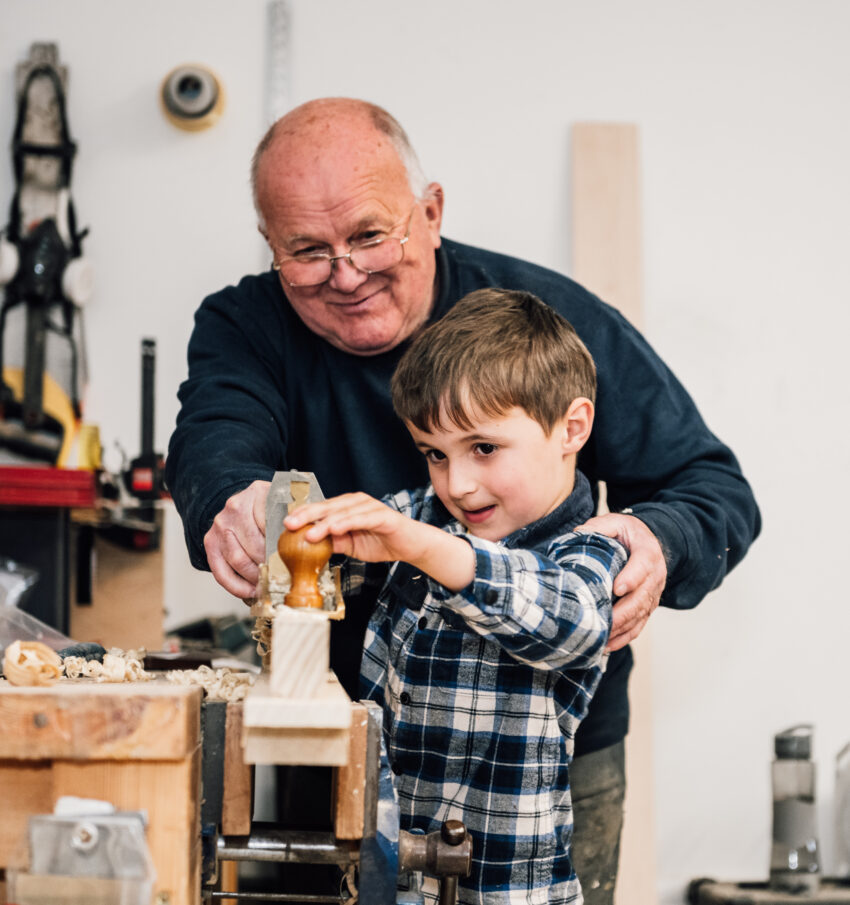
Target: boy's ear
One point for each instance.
(576, 424)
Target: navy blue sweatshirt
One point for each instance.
(265, 394)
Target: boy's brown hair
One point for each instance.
(495, 349)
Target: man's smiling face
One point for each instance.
(333, 181)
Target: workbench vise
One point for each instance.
(382, 864)
(298, 714)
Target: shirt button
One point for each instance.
(491, 596)
(404, 697)
(423, 622)
(396, 769)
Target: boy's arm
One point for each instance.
(367, 529)
(550, 612)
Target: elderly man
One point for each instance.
(291, 369)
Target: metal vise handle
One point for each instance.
(446, 853)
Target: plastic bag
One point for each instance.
(15, 624)
(15, 580)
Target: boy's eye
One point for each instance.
(434, 455)
(485, 449)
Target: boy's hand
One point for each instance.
(360, 526)
(363, 527)
(642, 579)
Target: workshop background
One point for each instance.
(742, 107)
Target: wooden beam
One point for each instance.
(86, 720)
(311, 730)
(606, 214)
(237, 802)
(607, 259)
(127, 591)
(25, 789)
(169, 791)
(350, 780)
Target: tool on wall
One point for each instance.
(192, 97)
(42, 267)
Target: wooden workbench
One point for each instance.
(136, 745)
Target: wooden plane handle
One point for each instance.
(304, 560)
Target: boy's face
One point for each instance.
(501, 474)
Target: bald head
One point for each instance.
(319, 127)
(337, 176)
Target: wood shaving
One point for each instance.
(272, 588)
(117, 666)
(126, 666)
(31, 663)
(218, 684)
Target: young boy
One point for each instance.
(488, 637)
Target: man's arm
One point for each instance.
(640, 584)
(649, 443)
(230, 433)
(677, 495)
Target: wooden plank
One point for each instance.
(350, 780)
(229, 880)
(329, 707)
(300, 651)
(606, 214)
(59, 890)
(86, 720)
(238, 792)
(607, 259)
(316, 747)
(169, 791)
(25, 789)
(127, 607)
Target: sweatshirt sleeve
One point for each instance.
(231, 426)
(549, 612)
(661, 463)
(649, 445)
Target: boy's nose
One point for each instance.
(461, 482)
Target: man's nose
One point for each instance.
(345, 277)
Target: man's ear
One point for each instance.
(433, 207)
(576, 424)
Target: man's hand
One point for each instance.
(236, 542)
(640, 583)
(366, 528)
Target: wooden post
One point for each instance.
(607, 261)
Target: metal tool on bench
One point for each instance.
(383, 867)
(91, 850)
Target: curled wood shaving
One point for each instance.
(126, 666)
(117, 666)
(31, 663)
(218, 684)
(272, 588)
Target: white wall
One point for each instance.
(742, 106)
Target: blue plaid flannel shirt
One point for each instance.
(483, 690)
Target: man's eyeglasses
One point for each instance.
(371, 256)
